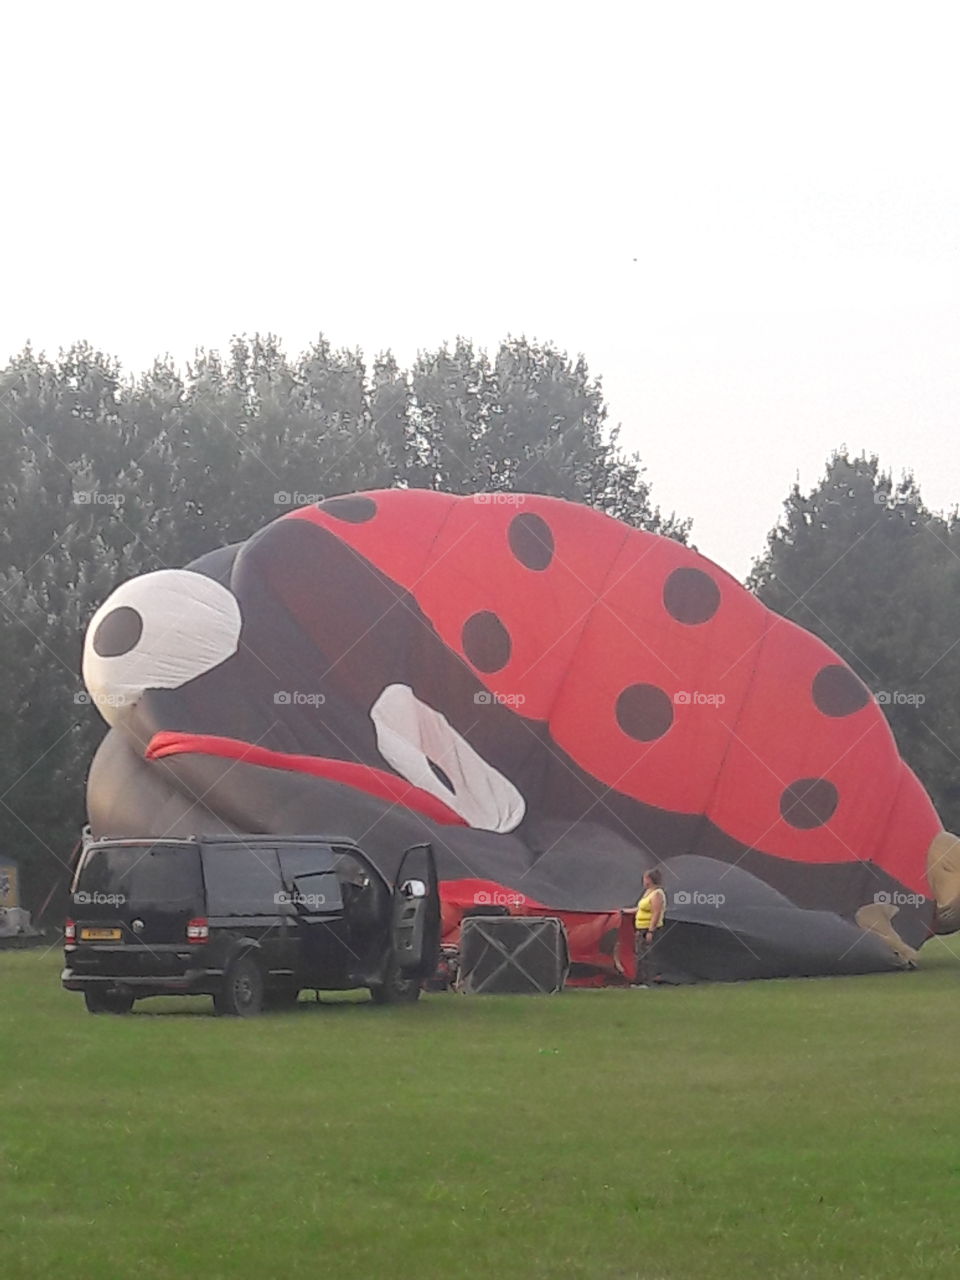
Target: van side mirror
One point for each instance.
(413, 889)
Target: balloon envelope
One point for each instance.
(558, 701)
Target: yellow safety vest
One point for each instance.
(644, 914)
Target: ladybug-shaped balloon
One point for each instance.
(558, 701)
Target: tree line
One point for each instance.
(104, 476)
(864, 564)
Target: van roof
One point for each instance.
(226, 839)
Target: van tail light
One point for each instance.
(69, 931)
(198, 930)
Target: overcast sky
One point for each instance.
(746, 216)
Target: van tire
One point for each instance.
(241, 993)
(107, 1001)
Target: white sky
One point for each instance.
(746, 216)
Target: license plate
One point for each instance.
(100, 935)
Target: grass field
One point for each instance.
(769, 1129)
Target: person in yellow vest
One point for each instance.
(649, 917)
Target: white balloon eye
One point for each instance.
(425, 749)
(157, 632)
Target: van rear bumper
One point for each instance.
(190, 982)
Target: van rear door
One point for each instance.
(137, 893)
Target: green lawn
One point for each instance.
(769, 1129)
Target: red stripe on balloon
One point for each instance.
(362, 777)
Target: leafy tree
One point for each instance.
(104, 476)
(531, 420)
(862, 563)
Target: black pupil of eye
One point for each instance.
(439, 773)
(118, 632)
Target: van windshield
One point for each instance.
(160, 875)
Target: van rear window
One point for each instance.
(141, 875)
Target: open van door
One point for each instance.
(415, 925)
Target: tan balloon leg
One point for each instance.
(943, 872)
(876, 918)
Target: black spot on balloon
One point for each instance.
(808, 803)
(355, 510)
(118, 632)
(644, 712)
(442, 777)
(690, 596)
(531, 540)
(838, 692)
(486, 641)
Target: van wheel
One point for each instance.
(241, 995)
(395, 988)
(108, 1001)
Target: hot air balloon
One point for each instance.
(556, 701)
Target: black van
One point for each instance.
(249, 920)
